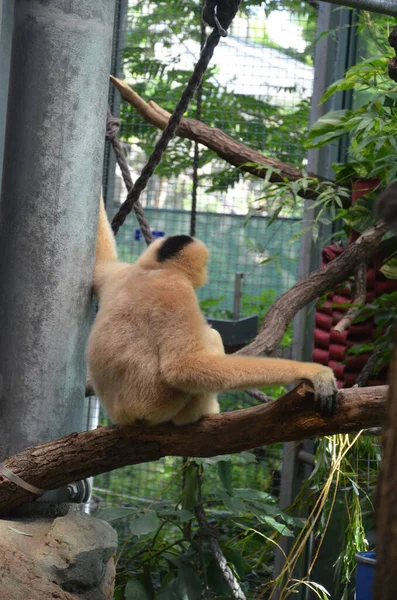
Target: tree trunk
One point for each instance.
(386, 506)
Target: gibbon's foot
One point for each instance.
(326, 392)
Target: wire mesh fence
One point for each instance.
(257, 90)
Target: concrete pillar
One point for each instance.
(48, 213)
(6, 25)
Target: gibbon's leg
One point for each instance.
(214, 341)
(203, 372)
(203, 404)
(197, 407)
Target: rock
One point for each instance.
(70, 558)
(80, 548)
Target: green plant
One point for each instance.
(371, 126)
(163, 554)
(259, 122)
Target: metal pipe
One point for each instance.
(384, 7)
(6, 23)
(48, 213)
(238, 282)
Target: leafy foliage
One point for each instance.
(372, 126)
(163, 553)
(256, 122)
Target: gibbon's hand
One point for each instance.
(326, 392)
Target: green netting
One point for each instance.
(236, 246)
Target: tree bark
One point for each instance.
(312, 287)
(227, 148)
(386, 505)
(291, 417)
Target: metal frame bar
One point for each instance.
(332, 57)
(384, 7)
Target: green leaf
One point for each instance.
(217, 581)
(249, 493)
(213, 460)
(117, 512)
(389, 270)
(135, 590)
(225, 474)
(237, 560)
(235, 505)
(338, 86)
(169, 592)
(185, 515)
(144, 524)
(278, 526)
(188, 583)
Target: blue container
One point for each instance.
(365, 575)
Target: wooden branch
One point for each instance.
(291, 417)
(358, 300)
(316, 284)
(227, 148)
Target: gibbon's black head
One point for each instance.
(172, 246)
(178, 253)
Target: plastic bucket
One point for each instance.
(366, 562)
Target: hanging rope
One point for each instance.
(225, 12)
(112, 128)
(196, 156)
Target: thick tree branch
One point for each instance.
(285, 308)
(233, 152)
(291, 417)
(358, 300)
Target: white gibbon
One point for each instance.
(152, 357)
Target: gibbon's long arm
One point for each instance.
(195, 369)
(106, 250)
(107, 264)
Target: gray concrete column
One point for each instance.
(6, 25)
(48, 213)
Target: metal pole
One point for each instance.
(238, 283)
(331, 60)
(6, 24)
(116, 69)
(385, 7)
(48, 214)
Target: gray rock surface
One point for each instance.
(70, 558)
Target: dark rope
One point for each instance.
(180, 109)
(196, 157)
(112, 128)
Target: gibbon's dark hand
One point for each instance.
(326, 392)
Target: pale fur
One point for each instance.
(152, 357)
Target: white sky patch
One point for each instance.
(281, 29)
